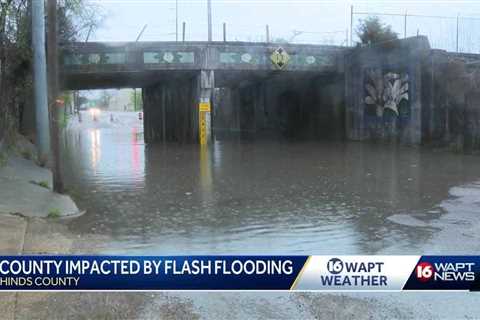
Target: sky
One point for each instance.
(302, 21)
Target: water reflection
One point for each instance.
(95, 147)
(205, 178)
(255, 197)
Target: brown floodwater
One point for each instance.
(262, 196)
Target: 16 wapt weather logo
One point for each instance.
(342, 273)
(354, 273)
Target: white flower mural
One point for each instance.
(385, 91)
(168, 57)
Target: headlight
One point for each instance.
(94, 112)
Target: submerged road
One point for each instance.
(273, 197)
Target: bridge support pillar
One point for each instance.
(173, 110)
(207, 86)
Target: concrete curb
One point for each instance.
(25, 191)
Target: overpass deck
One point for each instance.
(136, 64)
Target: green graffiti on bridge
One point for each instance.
(95, 58)
(168, 57)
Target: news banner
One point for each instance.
(209, 273)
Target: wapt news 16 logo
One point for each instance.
(445, 273)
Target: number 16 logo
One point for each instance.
(424, 271)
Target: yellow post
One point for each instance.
(204, 121)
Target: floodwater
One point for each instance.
(269, 197)
(265, 197)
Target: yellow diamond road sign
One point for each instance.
(280, 58)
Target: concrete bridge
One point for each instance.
(138, 64)
(251, 86)
(388, 92)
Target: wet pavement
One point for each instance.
(268, 197)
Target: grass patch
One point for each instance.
(27, 154)
(54, 214)
(3, 159)
(74, 194)
(42, 183)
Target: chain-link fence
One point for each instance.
(451, 33)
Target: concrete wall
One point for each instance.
(451, 91)
(443, 106)
(376, 121)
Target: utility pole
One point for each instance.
(458, 24)
(40, 79)
(351, 26)
(183, 31)
(176, 20)
(209, 8)
(135, 99)
(52, 61)
(224, 32)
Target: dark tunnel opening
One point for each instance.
(289, 114)
(308, 108)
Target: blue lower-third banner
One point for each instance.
(295, 273)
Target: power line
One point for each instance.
(412, 15)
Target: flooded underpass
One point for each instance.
(258, 197)
(271, 197)
(239, 137)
